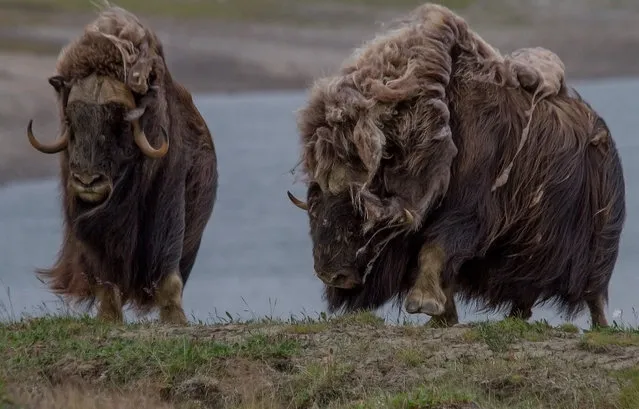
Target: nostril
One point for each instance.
(86, 179)
(339, 277)
(344, 279)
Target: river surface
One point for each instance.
(255, 259)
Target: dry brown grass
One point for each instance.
(78, 397)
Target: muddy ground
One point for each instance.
(595, 39)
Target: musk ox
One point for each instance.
(436, 166)
(138, 172)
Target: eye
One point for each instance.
(325, 222)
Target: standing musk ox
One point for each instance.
(138, 172)
(436, 166)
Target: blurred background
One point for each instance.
(248, 63)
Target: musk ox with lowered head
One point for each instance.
(436, 166)
(138, 172)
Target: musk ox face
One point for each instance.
(100, 128)
(100, 148)
(336, 229)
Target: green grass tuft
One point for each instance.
(605, 339)
(498, 335)
(629, 398)
(411, 357)
(320, 383)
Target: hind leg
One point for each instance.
(109, 304)
(169, 299)
(427, 295)
(520, 312)
(597, 315)
(522, 309)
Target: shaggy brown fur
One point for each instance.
(127, 248)
(526, 205)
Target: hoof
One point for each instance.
(173, 316)
(418, 302)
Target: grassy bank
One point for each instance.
(353, 362)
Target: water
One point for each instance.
(255, 258)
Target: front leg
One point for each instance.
(427, 295)
(164, 238)
(438, 264)
(109, 304)
(449, 317)
(169, 299)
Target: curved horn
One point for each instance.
(297, 202)
(55, 147)
(408, 217)
(143, 143)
